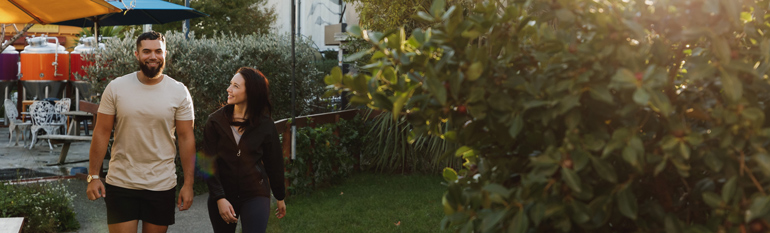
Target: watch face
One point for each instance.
(88, 179)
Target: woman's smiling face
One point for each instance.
(236, 92)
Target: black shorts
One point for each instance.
(156, 207)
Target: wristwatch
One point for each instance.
(91, 178)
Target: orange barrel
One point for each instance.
(44, 68)
(9, 70)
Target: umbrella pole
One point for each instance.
(96, 31)
(293, 81)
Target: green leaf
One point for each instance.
(475, 71)
(398, 106)
(425, 16)
(358, 55)
(627, 203)
(635, 28)
(471, 34)
(721, 49)
(359, 100)
(520, 223)
(630, 156)
(516, 126)
(623, 78)
(763, 160)
(729, 189)
(498, 189)
(753, 114)
(335, 77)
(712, 161)
(660, 103)
(712, 199)
(660, 167)
(601, 93)
(758, 208)
(618, 140)
(733, 87)
(537, 212)
(571, 178)
(565, 15)
(672, 224)
(580, 159)
(462, 150)
(641, 97)
(438, 7)
(448, 209)
(684, 150)
(450, 175)
(437, 90)
(382, 102)
(354, 30)
(492, 220)
(580, 212)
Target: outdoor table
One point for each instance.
(11, 225)
(73, 135)
(75, 118)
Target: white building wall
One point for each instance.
(312, 16)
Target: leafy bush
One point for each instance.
(206, 66)
(46, 207)
(324, 158)
(584, 115)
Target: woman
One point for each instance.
(242, 142)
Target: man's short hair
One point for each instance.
(149, 36)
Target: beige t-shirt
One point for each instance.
(144, 146)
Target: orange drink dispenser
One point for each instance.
(44, 68)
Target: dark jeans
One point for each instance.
(252, 212)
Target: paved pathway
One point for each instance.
(91, 214)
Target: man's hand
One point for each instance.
(185, 197)
(95, 190)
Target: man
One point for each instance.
(144, 108)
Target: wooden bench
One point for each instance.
(11, 225)
(66, 140)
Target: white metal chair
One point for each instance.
(15, 125)
(44, 117)
(62, 105)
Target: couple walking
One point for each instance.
(145, 109)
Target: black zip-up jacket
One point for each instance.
(247, 169)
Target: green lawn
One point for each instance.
(367, 203)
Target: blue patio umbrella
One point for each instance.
(136, 12)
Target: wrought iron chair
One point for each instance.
(15, 125)
(62, 105)
(44, 117)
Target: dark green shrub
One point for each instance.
(46, 207)
(586, 115)
(323, 158)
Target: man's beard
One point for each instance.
(151, 72)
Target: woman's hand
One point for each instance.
(226, 211)
(280, 212)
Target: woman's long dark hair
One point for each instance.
(257, 98)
